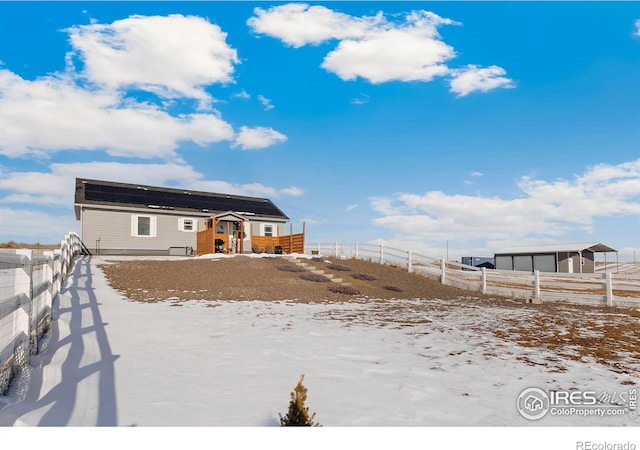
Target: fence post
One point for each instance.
(484, 280)
(381, 253)
(443, 276)
(336, 250)
(357, 251)
(64, 261)
(609, 288)
(536, 284)
(57, 272)
(410, 262)
(23, 286)
(50, 278)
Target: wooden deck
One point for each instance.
(290, 243)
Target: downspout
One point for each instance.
(82, 223)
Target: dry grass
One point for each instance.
(244, 278)
(32, 246)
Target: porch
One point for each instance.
(227, 234)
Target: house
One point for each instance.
(120, 218)
(567, 258)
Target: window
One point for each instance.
(268, 230)
(186, 224)
(143, 226)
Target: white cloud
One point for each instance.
(544, 209)
(375, 48)
(363, 99)
(351, 207)
(52, 114)
(412, 51)
(56, 187)
(473, 78)
(35, 188)
(298, 24)
(268, 106)
(248, 189)
(258, 137)
(244, 95)
(369, 47)
(475, 174)
(637, 33)
(50, 228)
(172, 56)
(292, 191)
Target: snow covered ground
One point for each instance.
(112, 362)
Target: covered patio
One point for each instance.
(232, 233)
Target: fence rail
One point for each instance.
(597, 289)
(28, 287)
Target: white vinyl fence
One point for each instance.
(28, 286)
(600, 289)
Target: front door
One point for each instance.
(231, 233)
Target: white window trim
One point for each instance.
(153, 226)
(274, 229)
(194, 224)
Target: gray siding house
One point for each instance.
(120, 218)
(565, 258)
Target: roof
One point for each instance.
(553, 248)
(108, 193)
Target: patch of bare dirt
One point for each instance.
(245, 278)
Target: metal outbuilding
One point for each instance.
(567, 258)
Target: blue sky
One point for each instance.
(413, 124)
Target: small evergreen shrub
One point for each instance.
(314, 277)
(348, 290)
(364, 276)
(339, 267)
(289, 268)
(298, 414)
(393, 288)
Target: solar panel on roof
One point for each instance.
(146, 197)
